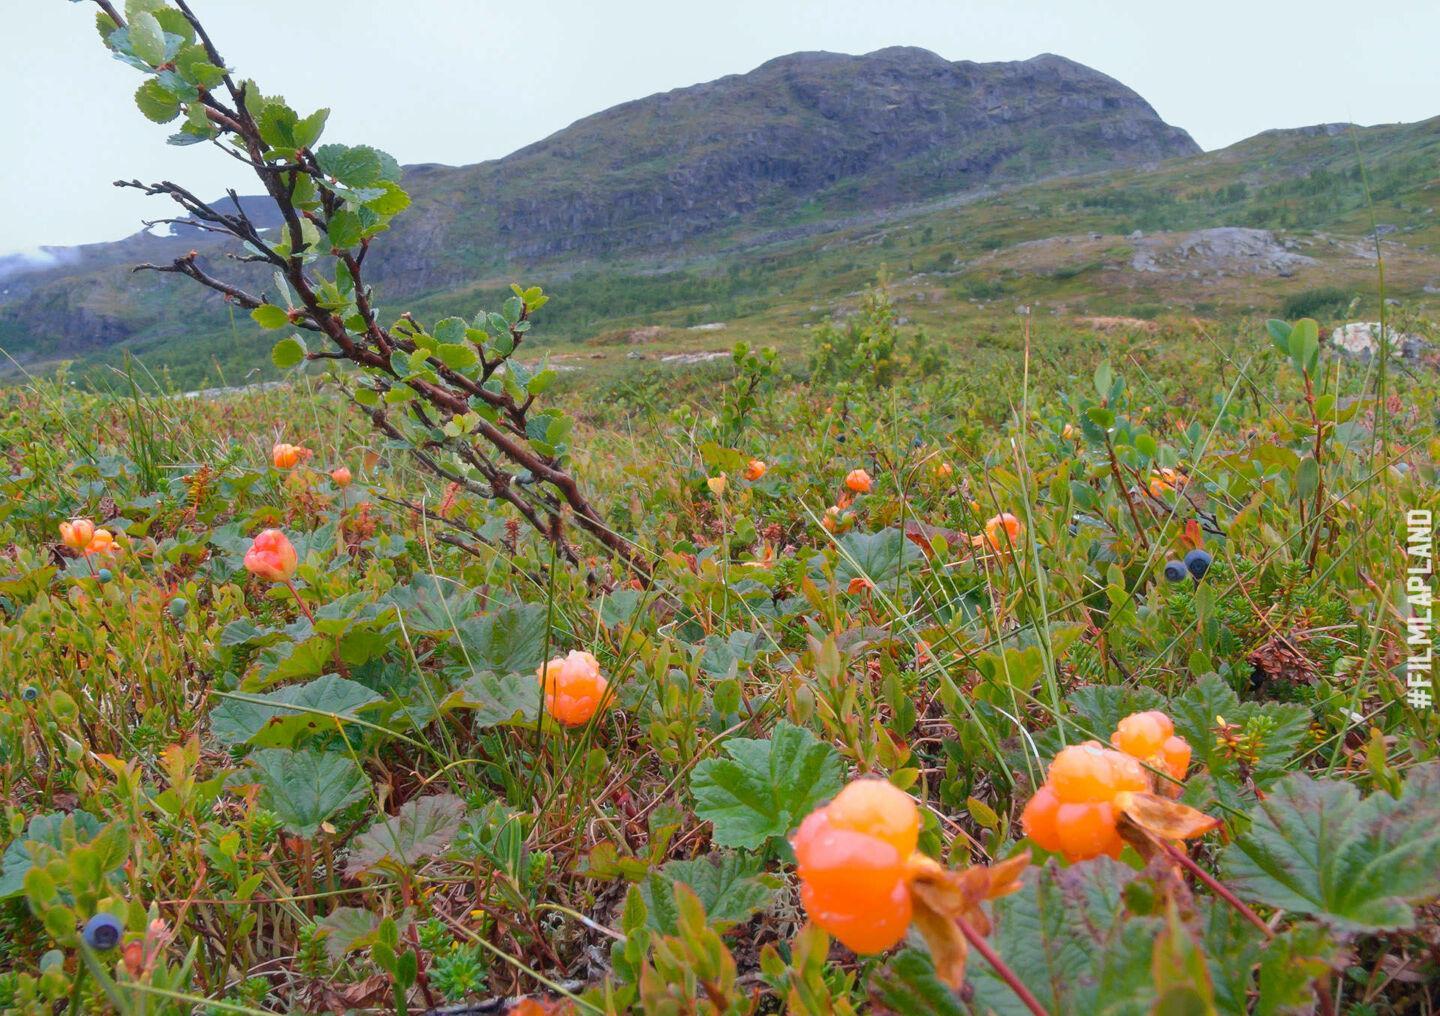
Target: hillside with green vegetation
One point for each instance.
(816, 211)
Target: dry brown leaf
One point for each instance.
(940, 897)
(1146, 817)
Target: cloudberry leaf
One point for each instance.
(726, 884)
(421, 829)
(908, 986)
(510, 640)
(280, 718)
(1315, 847)
(1289, 967)
(511, 699)
(765, 788)
(1069, 938)
(1285, 725)
(879, 557)
(306, 787)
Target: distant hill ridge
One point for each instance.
(799, 146)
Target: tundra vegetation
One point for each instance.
(1083, 677)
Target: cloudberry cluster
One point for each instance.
(1151, 738)
(1073, 813)
(852, 855)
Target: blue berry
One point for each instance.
(179, 607)
(104, 575)
(1175, 571)
(29, 693)
(1198, 562)
(103, 932)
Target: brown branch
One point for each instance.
(105, 6)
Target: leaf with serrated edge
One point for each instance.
(306, 787)
(765, 788)
(420, 830)
(1315, 847)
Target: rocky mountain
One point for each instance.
(802, 137)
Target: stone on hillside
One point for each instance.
(1361, 339)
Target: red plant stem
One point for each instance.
(1186, 862)
(290, 584)
(1006, 974)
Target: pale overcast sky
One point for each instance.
(459, 81)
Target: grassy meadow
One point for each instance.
(348, 791)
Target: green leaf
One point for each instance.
(1104, 378)
(1103, 419)
(421, 829)
(908, 986)
(344, 229)
(357, 166)
(1314, 847)
(269, 316)
(728, 885)
(288, 352)
(1070, 939)
(512, 699)
(304, 788)
(308, 130)
(282, 717)
(541, 382)
(147, 38)
(193, 64)
(1279, 332)
(1305, 345)
(393, 200)
(449, 330)
(765, 788)
(173, 22)
(158, 103)
(509, 640)
(54, 830)
(1307, 477)
(276, 124)
(458, 357)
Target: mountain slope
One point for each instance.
(756, 196)
(803, 136)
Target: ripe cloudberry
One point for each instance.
(1073, 812)
(573, 686)
(1150, 737)
(851, 854)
